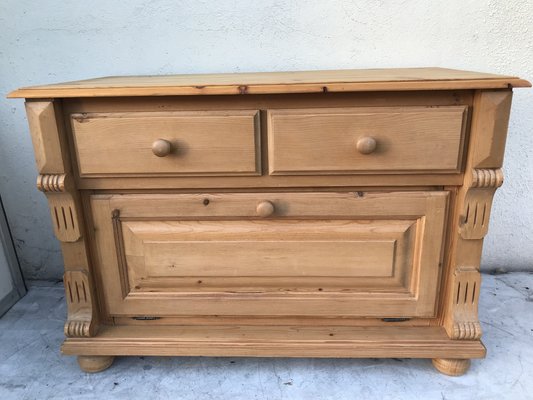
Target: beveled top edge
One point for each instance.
(274, 83)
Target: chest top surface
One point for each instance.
(352, 80)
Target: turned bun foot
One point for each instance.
(451, 366)
(95, 363)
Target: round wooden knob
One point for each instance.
(265, 209)
(366, 145)
(161, 147)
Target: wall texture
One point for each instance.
(59, 40)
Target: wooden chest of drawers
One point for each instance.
(312, 214)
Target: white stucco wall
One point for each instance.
(58, 40)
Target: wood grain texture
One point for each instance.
(490, 127)
(312, 214)
(292, 251)
(276, 341)
(267, 102)
(61, 195)
(82, 314)
(64, 215)
(232, 320)
(276, 82)
(81, 105)
(46, 137)
(55, 181)
(92, 364)
(272, 276)
(478, 202)
(451, 366)
(467, 285)
(200, 143)
(271, 182)
(325, 141)
(471, 214)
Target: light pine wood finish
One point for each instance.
(94, 364)
(48, 140)
(294, 214)
(54, 165)
(276, 82)
(451, 366)
(276, 341)
(394, 140)
(167, 143)
(328, 254)
(470, 223)
(266, 102)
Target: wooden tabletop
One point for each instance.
(354, 80)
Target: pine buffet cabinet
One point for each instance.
(290, 214)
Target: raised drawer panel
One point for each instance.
(315, 254)
(291, 250)
(366, 140)
(199, 143)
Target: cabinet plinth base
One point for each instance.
(275, 341)
(93, 364)
(451, 366)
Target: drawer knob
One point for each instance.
(366, 145)
(161, 147)
(265, 209)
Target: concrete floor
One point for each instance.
(31, 366)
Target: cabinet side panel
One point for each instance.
(55, 181)
(472, 213)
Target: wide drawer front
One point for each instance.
(366, 139)
(324, 254)
(167, 143)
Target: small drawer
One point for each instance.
(326, 141)
(199, 143)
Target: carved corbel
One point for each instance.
(59, 191)
(482, 184)
(463, 323)
(55, 181)
(471, 215)
(81, 318)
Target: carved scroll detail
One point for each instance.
(63, 210)
(478, 202)
(51, 183)
(466, 330)
(464, 324)
(487, 178)
(77, 329)
(471, 214)
(81, 322)
(56, 181)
